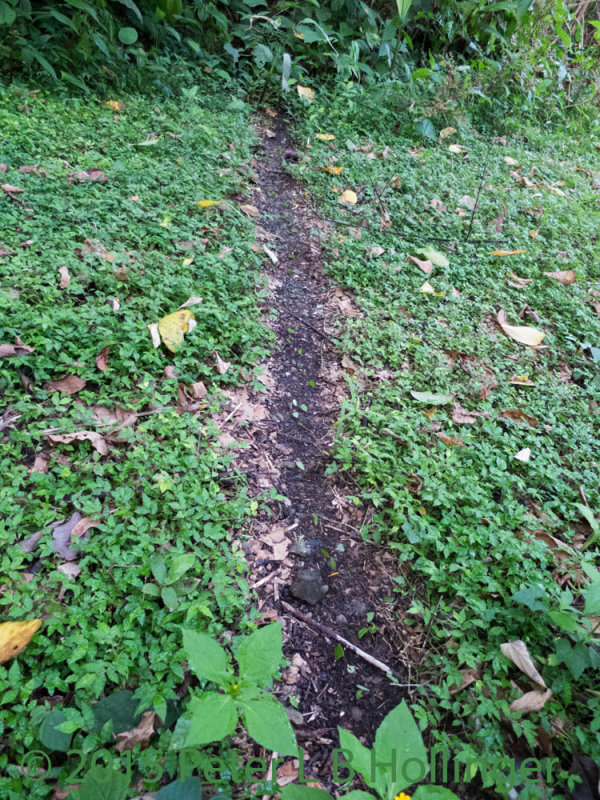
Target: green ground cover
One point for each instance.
(463, 514)
(156, 494)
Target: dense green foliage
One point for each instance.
(514, 47)
(157, 495)
(463, 514)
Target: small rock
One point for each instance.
(294, 716)
(341, 619)
(308, 586)
(300, 548)
(356, 714)
(360, 608)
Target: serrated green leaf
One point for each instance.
(260, 654)
(207, 659)
(102, 783)
(52, 738)
(211, 718)
(268, 724)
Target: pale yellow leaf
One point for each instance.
(15, 636)
(333, 170)
(524, 455)
(510, 161)
(531, 701)
(457, 148)
(565, 276)
(208, 203)
(306, 93)
(523, 334)
(445, 132)
(325, 137)
(348, 197)
(194, 300)
(173, 327)
(427, 288)
(153, 328)
(507, 252)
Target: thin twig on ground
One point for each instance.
(312, 623)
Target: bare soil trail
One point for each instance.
(309, 563)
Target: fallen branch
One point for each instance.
(311, 326)
(332, 634)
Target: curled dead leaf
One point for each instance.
(222, 366)
(523, 455)
(516, 282)
(518, 653)
(8, 350)
(70, 384)
(84, 175)
(531, 701)
(518, 416)
(102, 358)
(65, 278)
(467, 677)
(249, 210)
(139, 735)
(565, 276)
(97, 441)
(424, 266)
(463, 417)
(450, 441)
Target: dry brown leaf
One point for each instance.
(498, 223)
(517, 282)
(278, 542)
(97, 441)
(140, 735)
(531, 701)
(102, 358)
(41, 463)
(288, 772)
(222, 366)
(33, 170)
(348, 365)
(19, 349)
(463, 417)
(518, 416)
(249, 211)
(198, 390)
(345, 305)
(424, 266)
(95, 247)
(518, 653)
(467, 677)
(62, 535)
(15, 636)
(565, 276)
(84, 175)
(6, 187)
(450, 441)
(65, 278)
(194, 300)
(70, 384)
(373, 252)
(438, 205)
(69, 569)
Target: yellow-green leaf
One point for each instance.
(208, 203)
(325, 137)
(348, 197)
(306, 93)
(173, 327)
(15, 636)
(520, 333)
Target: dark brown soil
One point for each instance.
(290, 449)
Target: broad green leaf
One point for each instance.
(189, 789)
(206, 658)
(361, 759)
(434, 793)
(50, 737)
(83, 6)
(399, 739)
(158, 568)
(357, 794)
(433, 255)
(576, 658)
(120, 707)
(433, 399)
(7, 14)
(294, 792)
(591, 595)
(564, 620)
(128, 35)
(212, 717)
(260, 654)
(102, 783)
(268, 724)
(403, 7)
(169, 597)
(179, 566)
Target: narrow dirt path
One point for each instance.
(308, 554)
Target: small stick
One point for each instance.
(311, 326)
(476, 206)
(264, 580)
(229, 416)
(333, 635)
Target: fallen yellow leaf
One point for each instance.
(166, 223)
(116, 105)
(348, 197)
(188, 261)
(173, 327)
(15, 636)
(333, 170)
(306, 93)
(445, 132)
(427, 288)
(208, 203)
(521, 380)
(520, 333)
(507, 252)
(325, 137)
